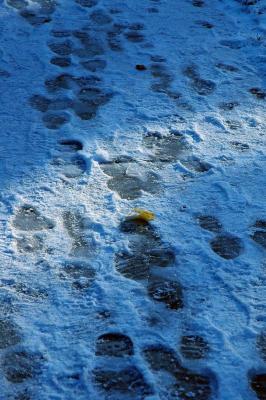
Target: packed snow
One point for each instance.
(133, 188)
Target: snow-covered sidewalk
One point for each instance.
(108, 106)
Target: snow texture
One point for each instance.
(106, 106)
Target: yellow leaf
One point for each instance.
(144, 215)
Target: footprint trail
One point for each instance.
(110, 110)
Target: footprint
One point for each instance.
(159, 70)
(34, 19)
(61, 33)
(100, 17)
(226, 67)
(198, 3)
(187, 384)
(147, 251)
(259, 93)
(73, 222)
(233, 124)
(240, 146)
(127, 381)
(228, 106)
(80, 274)
(22, 396)
(68, 82)
(87, 3)
(205, 24)
(114, 345)
(194, 347)
(249, 2)
(224, 244)
(37, 15)
(165, 291)
(165, 148)
(232, 44)
(46, 6)
(83, 245)
(134, 36)
(70, 145)
(163, 81)
(93, 96)
(191, 72)
(129, 186)
(85, 112)
(18, 4)
(227, 246)
(30, 244)
(136, 26)
(132, 266)
(39, 102)
(20, 365)
(60, 103)
(9, 334)
(28, 218)
(53, 120)
(94, 65)
(210, 223)
(202, 86)
(71, 167)
(62, 81)
(89, 99)
(4, 73)
(69, 162)
(261, 345)
(114, 37)
(259, 234)
(171, 149)
(153, 10)
(62, 62)
(160, 358)
(115, 10)
(63, 49)
(258, 384)
(195, 165)
(158, 59)
(138, 266)
(91, 45)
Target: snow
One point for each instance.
(197, 85)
